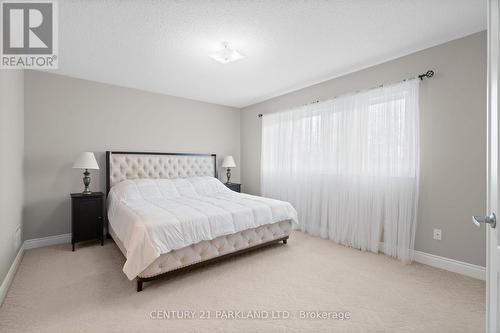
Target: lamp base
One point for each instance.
(228, 174)
(86, 182)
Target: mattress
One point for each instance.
(198, 217)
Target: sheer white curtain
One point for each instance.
(350, 166)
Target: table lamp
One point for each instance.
(228, 163)
(86, 161)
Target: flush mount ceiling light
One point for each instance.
(226, 55)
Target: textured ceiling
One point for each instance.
(163, 46)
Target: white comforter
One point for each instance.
(155, 216)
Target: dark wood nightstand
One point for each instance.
(87, 217)
(233, 186)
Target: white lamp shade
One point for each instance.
(86, 160)
(228, 162)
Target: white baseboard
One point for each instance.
(10, 274)
(47, 241)
(460, 267)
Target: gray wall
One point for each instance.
(65, 116)
(453, 143)
(11, 165)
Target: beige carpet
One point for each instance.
(56, 290)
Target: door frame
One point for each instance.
(492, 170)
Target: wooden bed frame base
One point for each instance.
(140, 281)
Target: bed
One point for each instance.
(168, 212)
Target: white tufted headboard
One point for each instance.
(121, 166)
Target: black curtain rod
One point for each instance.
(428, 74)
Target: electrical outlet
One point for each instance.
(437, 234)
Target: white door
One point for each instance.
(493, 237)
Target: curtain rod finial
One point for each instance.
(427, 74)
